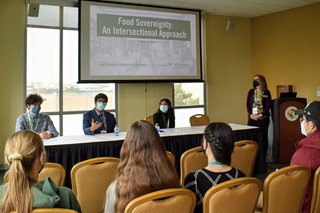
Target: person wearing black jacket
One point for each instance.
(164, 115)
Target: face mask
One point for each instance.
(101, 106)
(303, 129)
(255, 83)
(41, 169)
(163, 108)
(203, 150)
(36, 110)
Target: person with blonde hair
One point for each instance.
(25, 153)
(144, 167)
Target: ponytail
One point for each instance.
(21, 151)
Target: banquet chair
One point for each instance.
(149, 119)
(90, 180)
(244, 156)
(174, 200)
(171, 157)
(191, 160)
(315, 201)
(237, 195)
(51, 210)
(54, 170)
(284, 190)
(199, 120)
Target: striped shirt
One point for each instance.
(45, 123)
(202, 180)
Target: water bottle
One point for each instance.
(116, 130)
(157, 127)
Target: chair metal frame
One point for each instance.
(47, 166)
(289, 170)
(171, 157)
(51, 210)
(247, 169)
(183, 171)
(85, 163)
(195, 119)
(315, 202)
(149, 119)
(158, 195)
(232, 185)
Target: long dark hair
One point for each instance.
(170, 112)
(221, 139)
(144, 166)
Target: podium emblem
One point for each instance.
(289, 113)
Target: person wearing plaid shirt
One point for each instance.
(33, 120)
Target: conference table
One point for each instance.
(70, 150)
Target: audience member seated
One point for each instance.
(144, 167)
(98, 119)
(33, 120)
(164, 115)
(217, 146)
(25, 153)
(308, 149)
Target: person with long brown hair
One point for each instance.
(25, 153)
(143, 168)
(258, 106)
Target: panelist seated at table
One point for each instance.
(217, 146)
(33, 120)
(97, 120)
(164, 116)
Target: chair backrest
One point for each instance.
(244, 156)
(171, 157)
(284, 190)
(199, 120)
(315, 201)
(51, 210)
(54, 170)
(237, 195)
(149, 119)
(176, 201)
(90, 180)
(191, 160)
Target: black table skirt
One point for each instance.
(69, 155)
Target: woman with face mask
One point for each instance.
(164, 116)
(217, 146)
(258, 106)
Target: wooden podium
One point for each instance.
(286, 127)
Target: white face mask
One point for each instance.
(303, 128)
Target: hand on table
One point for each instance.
(45, 135)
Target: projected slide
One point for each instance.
(125, 43)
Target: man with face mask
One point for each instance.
(33, 120)
(98, 119)
(308, 149)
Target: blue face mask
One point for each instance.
(101, 106)
(36, 110)
(164, 108)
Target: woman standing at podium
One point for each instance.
(258, 106)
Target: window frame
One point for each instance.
(60, 112)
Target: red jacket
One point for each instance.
(308, 154)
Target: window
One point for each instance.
(52, 69)
(188, 101)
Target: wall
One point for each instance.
(12, 16)
(137, 101)
(228, 69)
(286, 49)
